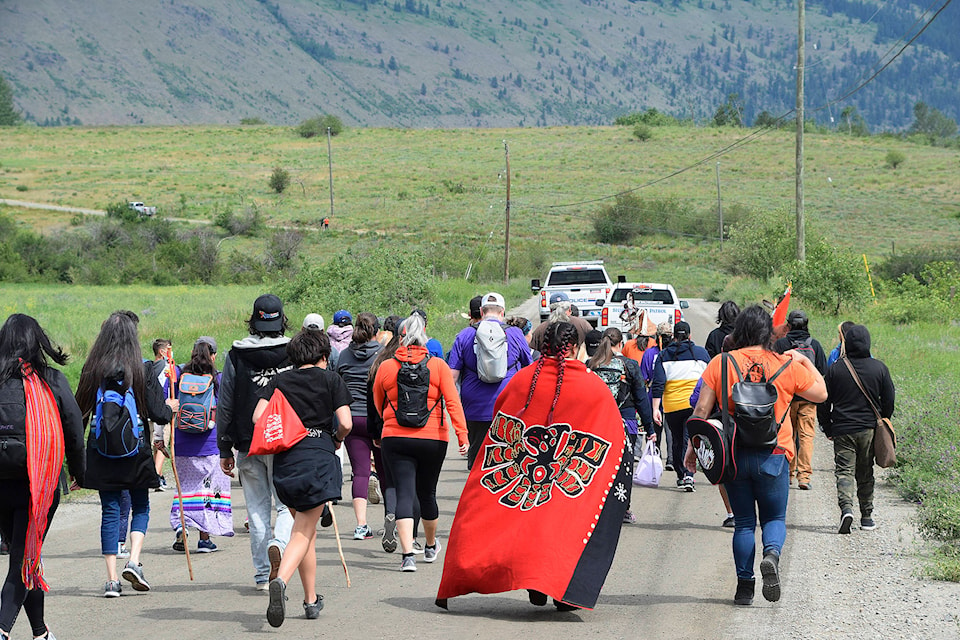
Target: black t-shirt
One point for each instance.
(314, 393)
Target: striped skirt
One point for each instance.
(206, 496)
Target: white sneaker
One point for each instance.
(417, 547)
(122, 551)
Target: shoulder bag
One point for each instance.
(884, 437)
(278, 429)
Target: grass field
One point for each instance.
(446, 188)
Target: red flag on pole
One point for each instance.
(780, 313)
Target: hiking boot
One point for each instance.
(389, 540)
(312, 611)
(688, 484)
(770, 570)
(362, 532)
(274, 554)
(112, 589)
(373, 491)
(628, 517)
(745, 588)
(430, 552)
(277, 608)
(729, 522)
(133, 573)
(867, 524)
(408, 563)
(537, 598)
(206, 546)
(178, 543)
(326, 516)
(846, 521)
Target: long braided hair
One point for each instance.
(558, 340)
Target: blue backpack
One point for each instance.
(197, 403)
(116, 424)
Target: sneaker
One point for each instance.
(326, 516)
(122, 551)
(846, 521)
(274, 554)
(277, 608)
(408, 563)
(628, 517)
(770, 570)
(262, 586)
(867, 524)
(389, 540)
(163, 484)
(312, 611)
(133, 573)
(729, 522)
(246, 525)
(804, 485)
(112, 589)
(668, 467)
(373, 491)
(688, 484)
(47, 636)
(537, 598)
(362, 532)
(417, 547)
(430, 553)
(178, 543)
(206, 546)
(744, 596)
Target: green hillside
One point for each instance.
(441, 63)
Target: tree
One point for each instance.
(928, 121)
(279, 179)
(854, 123)
(730, 113)
(9, 116)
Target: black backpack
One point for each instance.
(753, 406)
(413, 388)
(805, 347)
(13, 430)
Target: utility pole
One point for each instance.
(330, 167)
(719, 206)
(506, 238)
(801, 239)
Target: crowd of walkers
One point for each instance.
(537, 415)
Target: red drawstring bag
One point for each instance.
(278, 429)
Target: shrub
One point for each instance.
(252, 121)
(895, 158)
(22, 187)
(761, 244)
(619, 223)
(279, 179)
(318, 126)
(765, 119)
(247, 223)
(650, 117)
(642, 132)
(828, 278)
(120, 210)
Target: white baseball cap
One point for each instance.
(313, 321)
(493, 299)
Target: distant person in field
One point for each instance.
(803, 414)
(249, 367)
(849, 420)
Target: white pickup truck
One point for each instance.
(629, 298)
(586, 284)
(142, 209)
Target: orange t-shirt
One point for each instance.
(633, 351)
(794, 379)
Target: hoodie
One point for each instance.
(354, 368)
(846, 410)
(675, 374)
(250, 365)
(797, 336)
(340, 336)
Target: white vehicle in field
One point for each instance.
(586, 284)
(142, 209)
(627, 299)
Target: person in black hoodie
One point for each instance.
(803, 414)
(249, 367)
(726, 316)
(39, 421)
(848, 419)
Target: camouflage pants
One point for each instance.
(853, 457)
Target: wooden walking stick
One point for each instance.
(172, 375)
(336, 532)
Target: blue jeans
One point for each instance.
(256, 475)
(110, 517)
(762, 485)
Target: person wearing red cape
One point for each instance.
(552, 479)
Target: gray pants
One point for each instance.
(853, 457)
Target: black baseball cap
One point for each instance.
(268, 313)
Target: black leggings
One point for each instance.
(415, 466)
(676, 421)
(14, 516)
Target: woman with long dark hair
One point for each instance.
(204, 487)
(41, 424)
(762, 483)
(354, 368)
(115, 364)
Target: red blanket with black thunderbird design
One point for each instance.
(543, 508)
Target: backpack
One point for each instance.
(413, 388)
(753, 406)
(490, 347)
(805, 347)
(197, 403)
(117, 429)
(13, 431)
(614, 375)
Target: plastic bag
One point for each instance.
(650, 467)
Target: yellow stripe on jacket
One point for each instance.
(682, 376)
